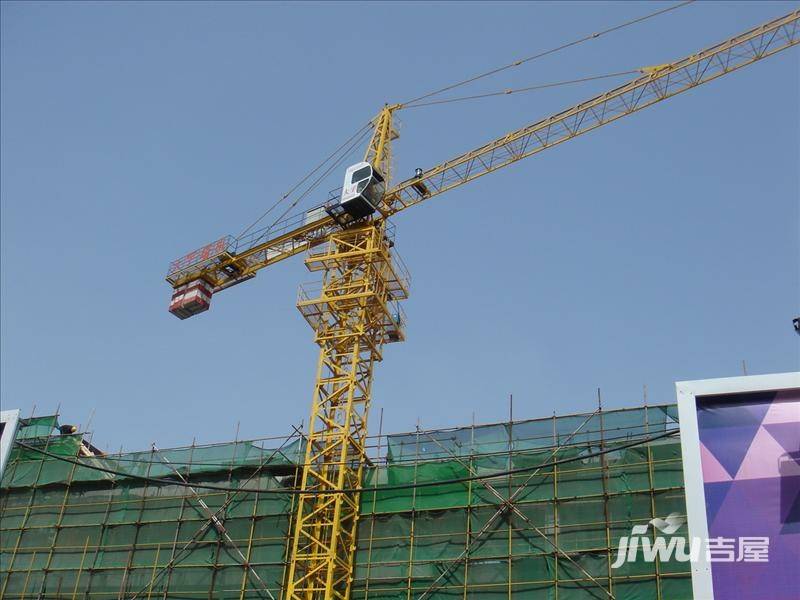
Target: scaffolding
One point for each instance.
(215, 521)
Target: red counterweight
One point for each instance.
(191, 298)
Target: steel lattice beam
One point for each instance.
(353, 316)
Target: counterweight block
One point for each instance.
(191, 299)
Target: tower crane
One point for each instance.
(355, 311)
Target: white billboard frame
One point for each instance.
(10, 421)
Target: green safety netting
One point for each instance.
(625, 470)
(70, 532)
(35, 427)
(29, 469)
(526, 435)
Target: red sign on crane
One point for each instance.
(203, 254)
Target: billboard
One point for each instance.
(740, 441)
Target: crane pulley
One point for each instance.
(355, 311)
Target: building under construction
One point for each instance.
(524, 509)
(215, 521)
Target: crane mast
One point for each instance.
(354, 312)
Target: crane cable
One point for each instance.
(531, 88)
(358, 134)
(417, 102)
(387, 488)
(522, 61)
(315, 184)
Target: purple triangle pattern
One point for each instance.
(715, 496)
(726, 433)
(765, 500)
(729, 446)
(788, 436)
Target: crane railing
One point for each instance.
(229, 259)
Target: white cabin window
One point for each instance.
(362, 173)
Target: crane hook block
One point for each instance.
(191, 298)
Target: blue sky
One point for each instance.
(660, 248)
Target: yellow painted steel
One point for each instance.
(353, 315)
(379, 153)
